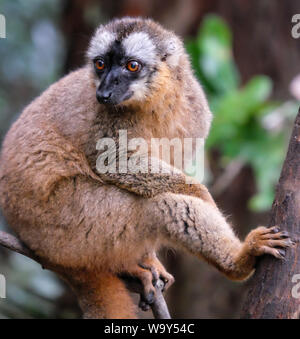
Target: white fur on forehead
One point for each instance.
(140, 46)
(100, 43)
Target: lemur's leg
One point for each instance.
(200, 228)
(147, 272)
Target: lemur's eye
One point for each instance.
(133, 66)
(99, 64)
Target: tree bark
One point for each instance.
(270, 294)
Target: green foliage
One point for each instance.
(237, 131)
(212, 56)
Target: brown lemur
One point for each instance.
(90, 227)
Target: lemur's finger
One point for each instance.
(274, 229)
(279, 235)
(169, 280)
(279, 243)
(277, 253)
(271, 230)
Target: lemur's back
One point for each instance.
(34, 147)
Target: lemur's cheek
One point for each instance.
(139, 90)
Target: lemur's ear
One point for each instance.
(173, 48)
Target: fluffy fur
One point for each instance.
(90, 227)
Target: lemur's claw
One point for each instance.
(285, 234)
(282, 253)
(274, 230)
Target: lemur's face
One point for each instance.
(123, 68)
(125, 65)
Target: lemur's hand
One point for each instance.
(271, 241)
(147, 272)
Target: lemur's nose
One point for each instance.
(103, 96)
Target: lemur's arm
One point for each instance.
(157, 177)
(197, 224)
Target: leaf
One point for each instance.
(215, 59)
(256, 92)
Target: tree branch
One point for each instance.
(12, 243)
(271, 288)
(159, 307)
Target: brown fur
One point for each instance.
(91, 227)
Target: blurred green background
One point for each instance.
(244, 56)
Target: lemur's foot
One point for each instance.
(153, 265)
(268, 241)
(148, 271)
(157, 271)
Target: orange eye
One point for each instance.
(133, 66)
(99, 64)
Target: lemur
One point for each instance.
(92, 227)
